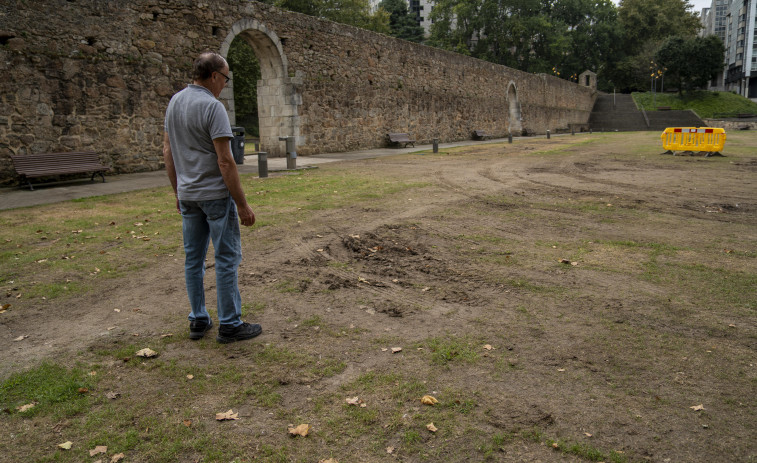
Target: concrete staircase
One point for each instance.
(618, 113)
(622, 116)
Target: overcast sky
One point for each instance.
(699, 4)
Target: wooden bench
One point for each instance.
(30, 166)
(401, 138)
(480, 135)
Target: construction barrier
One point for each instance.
(702, 139)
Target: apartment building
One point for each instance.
(422, 10)
(714, 22)
(734, 22)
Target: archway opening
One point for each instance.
(515, 125)
(275, 96)
(245, 68)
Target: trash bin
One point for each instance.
(237, 144)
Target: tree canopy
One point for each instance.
(564, 37)
(690, 62)
(402, 24)
(645, 21)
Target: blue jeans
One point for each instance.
(201, 222)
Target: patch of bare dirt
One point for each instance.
(608, 353)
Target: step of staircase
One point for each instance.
(619, 113)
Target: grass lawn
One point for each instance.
(705, 104)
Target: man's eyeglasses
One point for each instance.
(225, 76)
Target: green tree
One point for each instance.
(690, 62)
(644, 21)
(402, 24)
(455, 25)
(569, 36)
(593, 35)
(244, 64)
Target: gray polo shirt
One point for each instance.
(195, 118)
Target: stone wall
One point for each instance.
(749, 124)
(98, 74)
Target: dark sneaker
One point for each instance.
(198, 328)
(227, 333)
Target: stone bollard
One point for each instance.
(547, 134)
(436, 145)
(509, 137)
(291, 152)
(572, 130)
(262, 164)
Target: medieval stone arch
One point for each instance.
(515, 123)
(278, 96)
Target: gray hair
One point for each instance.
(206, 64)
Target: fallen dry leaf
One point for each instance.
(112, 395)
(117, 457)
(330, 460)
(555, 445)
(190, 376)
(355, 401)
(188, 423)
(389, 449)
(431, 427)
(22, 337)
(97, 450)
(587, 434)
(83, 390)
(230, 415)
(23, 408)
(396, 349)
(429, 400)
(697, 408)
(146, 353)
(301, 430)
(488, 347)
(66, 445)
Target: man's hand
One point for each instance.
(246, 216)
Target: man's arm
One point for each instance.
(231, 179)
(170, 168)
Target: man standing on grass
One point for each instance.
(209, 196)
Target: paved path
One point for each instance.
(11, 198)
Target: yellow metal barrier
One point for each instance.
(702, 139)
